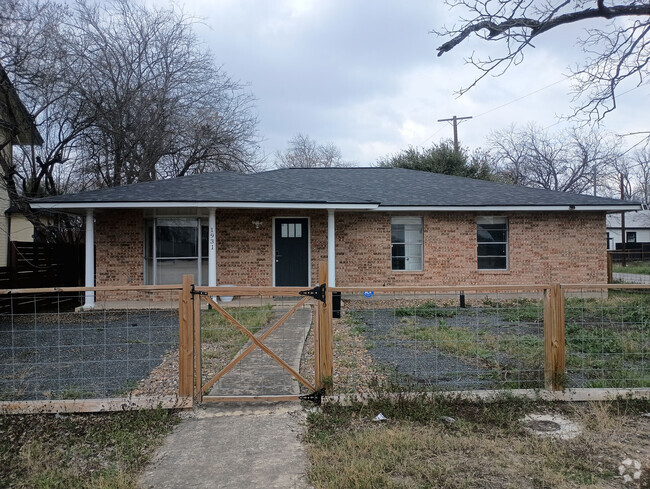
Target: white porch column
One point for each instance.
(212, 249)
(90, 259)
(331, 249)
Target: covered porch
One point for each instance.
(219, 247)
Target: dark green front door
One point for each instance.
(291, 252)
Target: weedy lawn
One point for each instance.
(632, 267)
(103, 450)
(484, 446)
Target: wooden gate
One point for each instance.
(195, 301)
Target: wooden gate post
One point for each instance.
(186, 339)
(196, 328)
(326, 350)
(554, 343)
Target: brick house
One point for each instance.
(371, 225)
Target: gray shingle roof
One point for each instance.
(385, 187)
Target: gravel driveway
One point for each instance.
(408, 360)
(82, 355)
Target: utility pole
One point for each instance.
(595, 176)
(454, 121)
(623, 221)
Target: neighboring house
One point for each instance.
(16, 127)
(637, 229)
(373, 226)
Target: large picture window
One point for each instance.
(175, 247)
(492, 243)
(406, 243)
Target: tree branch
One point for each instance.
(536, 26)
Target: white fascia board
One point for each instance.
(298, 205)
(194, 205)
(505, 208)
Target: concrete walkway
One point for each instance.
(258, 373)
(631, 278)
(242, 445)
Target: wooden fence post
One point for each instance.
(326, 356)
(196, 327)
(554, 345)
(610, 270)
(186, 339)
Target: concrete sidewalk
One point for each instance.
(242, 445)
(233, 446)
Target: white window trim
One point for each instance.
(151, 273)
(492, 219)
(408, 220)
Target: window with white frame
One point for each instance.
(630, 236)
(406, 243)
(492, 243)
(175, 247)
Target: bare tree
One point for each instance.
(121, 93)
(158, 104)
(641, 159)
(304, 152)
(570, 161)
(613, 53)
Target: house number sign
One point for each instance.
(212, 239)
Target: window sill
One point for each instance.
(495, 272)
(410, 272)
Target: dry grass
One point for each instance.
(485, 446)
(105, 450)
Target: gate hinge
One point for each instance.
(197, 292)
(317, 292)
(314, 397)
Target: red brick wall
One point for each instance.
(565, 247)
(543, 247)
(245, 253)
(119, 248)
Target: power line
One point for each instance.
(522, 97)
(501, 106)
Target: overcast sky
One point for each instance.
(364, 75)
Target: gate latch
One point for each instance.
(317, 292)
(197, 292)
(314, 397)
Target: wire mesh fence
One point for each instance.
(446, 340)
(260, 344)
(232, 364)
(493, 340)
(628, 275)
(607, 338)
(51, 349)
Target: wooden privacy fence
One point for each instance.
(32, 265)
